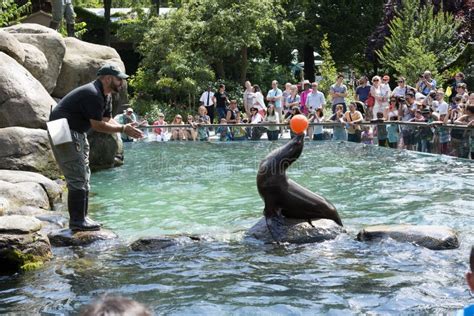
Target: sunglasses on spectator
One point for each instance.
(375, 80)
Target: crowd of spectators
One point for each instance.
(374, 101)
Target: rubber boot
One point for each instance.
(87, 218)
(54, 25)
(70, 30)
(76, 207)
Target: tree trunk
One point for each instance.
(308, 58)
(220, 69)
(157, 5)
(107, 7)
(244, 66)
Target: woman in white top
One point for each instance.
(259, 100)
(272, 117)
(380, 92)
(248, 97)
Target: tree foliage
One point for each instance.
(10, 12)
(433, 34)
(328, 67)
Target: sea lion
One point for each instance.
(286, 198)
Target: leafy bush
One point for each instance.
(10, 12)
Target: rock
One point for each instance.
(18, 224)
(23, 100)
(25, 198)
(28, 150)
(67, 237)
(299, 231)
(52, 222)
(81, 62)
(11, 46)
(53, 189)
(23, 252)
(103, 149)
(49, 42)
(36, 63)
(158, 243)
(431, 237)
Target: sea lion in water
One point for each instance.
(286, 198)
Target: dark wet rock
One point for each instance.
(67, 237)
(431, 237)
(22, 246)
(299, 231)
(103, 150)
(18, 224)
(162, 242)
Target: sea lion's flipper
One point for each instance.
(277, 227)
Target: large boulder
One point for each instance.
(103, 150)
(66, 237)
(298, 231)
(53, 190)
(22, 246)
(23, 100)
(49, 42)
(81, 62)
(431, 237)
(27, 149)
(11, 46)
(36, 63)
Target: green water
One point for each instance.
(209, 189)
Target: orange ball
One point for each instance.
(299, 123)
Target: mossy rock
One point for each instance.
(23, 252)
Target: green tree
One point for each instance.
(433, 34)
(328, 67)
(10, 12)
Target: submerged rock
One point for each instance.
(431, 237)
(22, 246)
(162, 242)
(52, 222)
(66, 237)
(299, 231)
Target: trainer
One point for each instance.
(85, 107)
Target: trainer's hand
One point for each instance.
(132, 131)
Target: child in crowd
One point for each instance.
(393, 133)
(381, 130)
(317, 117)
(203, 118)
(366, 135)
(339, 132)
(443, 135)
(161, 134)
(191, 131)
(224, 131)
(239, 131)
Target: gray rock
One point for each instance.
(23, 252)
(53, 189)
(103, 149)
(23, 100)
(81, 62)
(25, 198)
(431, 237)
(299, 231)
(162, 242)
(49, 42)
(67, 237)
(18, 224)
(11, 46)
(28, 150)
(52, 222)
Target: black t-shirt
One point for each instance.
(82, 104)
(221, 99)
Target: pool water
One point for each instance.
(209, 189)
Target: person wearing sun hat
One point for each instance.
(88, 106)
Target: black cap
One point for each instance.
(113, 70)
